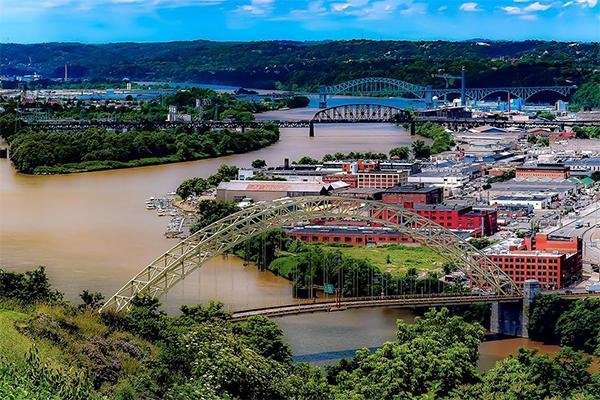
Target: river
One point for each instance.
(92, 231)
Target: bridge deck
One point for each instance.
(348, 303)
(391, 301)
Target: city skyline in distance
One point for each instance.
(99, 21)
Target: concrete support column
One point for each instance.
(413, 130)
(311, 129)
(429, 97)
(322, 97)
(531, 290)
(507, 319)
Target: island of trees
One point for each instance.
(40, 151)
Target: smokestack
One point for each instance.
(66, 73)
(286, 163)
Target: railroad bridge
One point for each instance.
(348, 113)
(220, 237)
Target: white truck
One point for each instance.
(593, 288)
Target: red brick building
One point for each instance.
(350, 234)
(413, 194)
(543, 171)
(554, 262)
(481, 222)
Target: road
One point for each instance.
(589, 232)
(360, 302)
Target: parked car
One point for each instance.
(593, 288)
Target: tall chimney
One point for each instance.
(286, 163)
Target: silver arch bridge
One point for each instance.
(220, 237)
(394, 87)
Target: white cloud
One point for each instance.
(469, 7)
(512, 10)
(537, 6)
(582, 3)
(378, 9)
(528, 12)
(529, 17)
(442, 8)
(314, 9)
(416, 8)
(587, 3)
(348, 5)
(257, 7)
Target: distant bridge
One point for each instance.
(394, 87)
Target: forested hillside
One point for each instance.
(305, 65)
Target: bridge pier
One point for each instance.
(429, 97)
(511, 319)
(311, 130)
(413, 128)
(322, 97)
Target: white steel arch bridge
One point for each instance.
(375, 86)
(220, 237)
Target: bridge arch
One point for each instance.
(360, 113)
(221, 236)
(374, 85)
(370, 86)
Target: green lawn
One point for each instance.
(401, 257)
(14, 345)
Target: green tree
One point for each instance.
(265, 337)
(400, 152)
(406, 368)
(480, 243)
(587, 97)
(530, 376)
(28, 287)
(306, 160)
(91, 300)
(210, 211)
(420, 149)
(543, 316)
(543, 141)
(579, 326)
(259, 164)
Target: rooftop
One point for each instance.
(410, 189)
(272, 186)
(526, 198)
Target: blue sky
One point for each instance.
(28, 21)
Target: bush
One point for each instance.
(28, 287)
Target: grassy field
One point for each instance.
(401, 257)
(14, 345)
